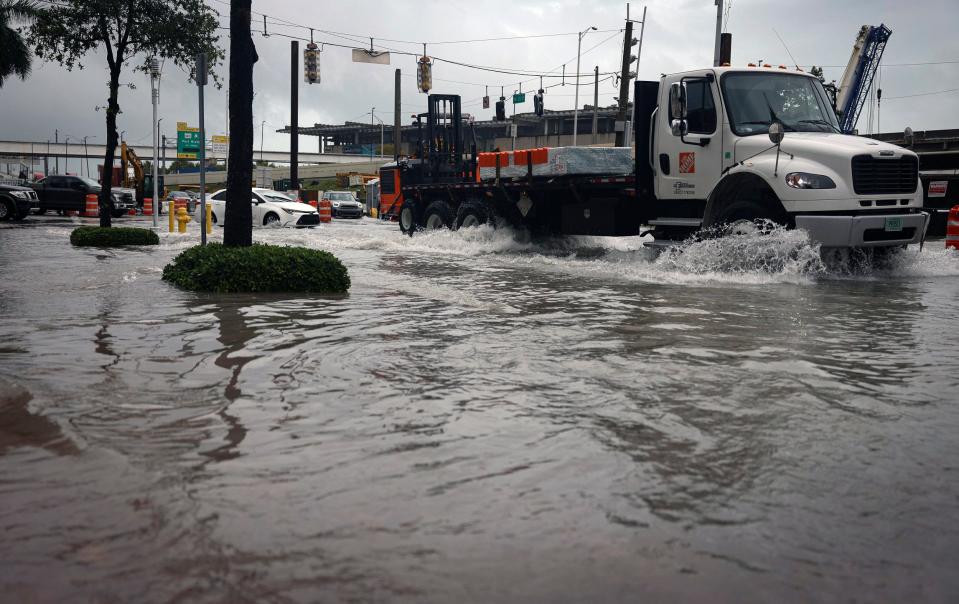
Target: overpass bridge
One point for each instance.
(38, 150)
(306, 173)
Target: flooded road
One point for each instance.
(482, 418)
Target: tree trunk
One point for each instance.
(238, 225)
(106, 179)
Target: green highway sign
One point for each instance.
(519, 97)
(187, 142)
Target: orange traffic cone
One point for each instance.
(92, 208)
(952, 229)
(148, 206)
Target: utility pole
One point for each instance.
(397, 129)
(719, 31)
(294, 117)
(620, 123)
(595, 104)
(579, 45)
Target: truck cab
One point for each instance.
(726, 145)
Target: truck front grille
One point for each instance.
(880, 176)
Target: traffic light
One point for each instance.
(538, 103)
(311, 64)
(501, 109)
(424, 74)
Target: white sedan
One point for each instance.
(270, 208)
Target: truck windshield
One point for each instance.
(755, 100)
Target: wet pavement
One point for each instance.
(482, 418)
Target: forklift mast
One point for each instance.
(445, 149)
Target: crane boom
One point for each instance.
(859, 74)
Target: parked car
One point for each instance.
(270, 208)
(191, 202)
(65, 193)
(345, 204)
(16, 202)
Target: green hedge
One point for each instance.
(112, 236)
(258, 268)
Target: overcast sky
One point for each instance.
(678, 36)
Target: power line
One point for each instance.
(909, 96)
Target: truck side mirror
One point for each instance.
(677, 109)
(677, 101)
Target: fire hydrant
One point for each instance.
(182, 218)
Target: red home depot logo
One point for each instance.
(687, 163)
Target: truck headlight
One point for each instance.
(336, 204)
(804, 180)
(20, 194)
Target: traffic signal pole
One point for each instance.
(294, 116)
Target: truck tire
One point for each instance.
(472, 214)
(7, 211)
(408, 217)
(438, 215)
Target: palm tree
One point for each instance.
(14, 54)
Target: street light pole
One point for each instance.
(381, 130)
(263, 123)
(86, 153)
(372, 109)
(66, 155)
(579, 44)
(155, 94)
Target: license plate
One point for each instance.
(893, 224)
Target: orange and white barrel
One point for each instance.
(952, 229)
(148, 206)
(92, 206)
(179, 203)
(326, 210)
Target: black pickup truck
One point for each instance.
(16, 202)
(65, 193)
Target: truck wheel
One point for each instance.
(408, 217)
(437, 216)
(6, 210)
(472, 214)
(746, 216)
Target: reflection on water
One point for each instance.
(483, 417)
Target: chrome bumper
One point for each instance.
(864, 231)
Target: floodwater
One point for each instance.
(481, 419)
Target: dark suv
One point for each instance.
(16, 202)
(65, 193)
